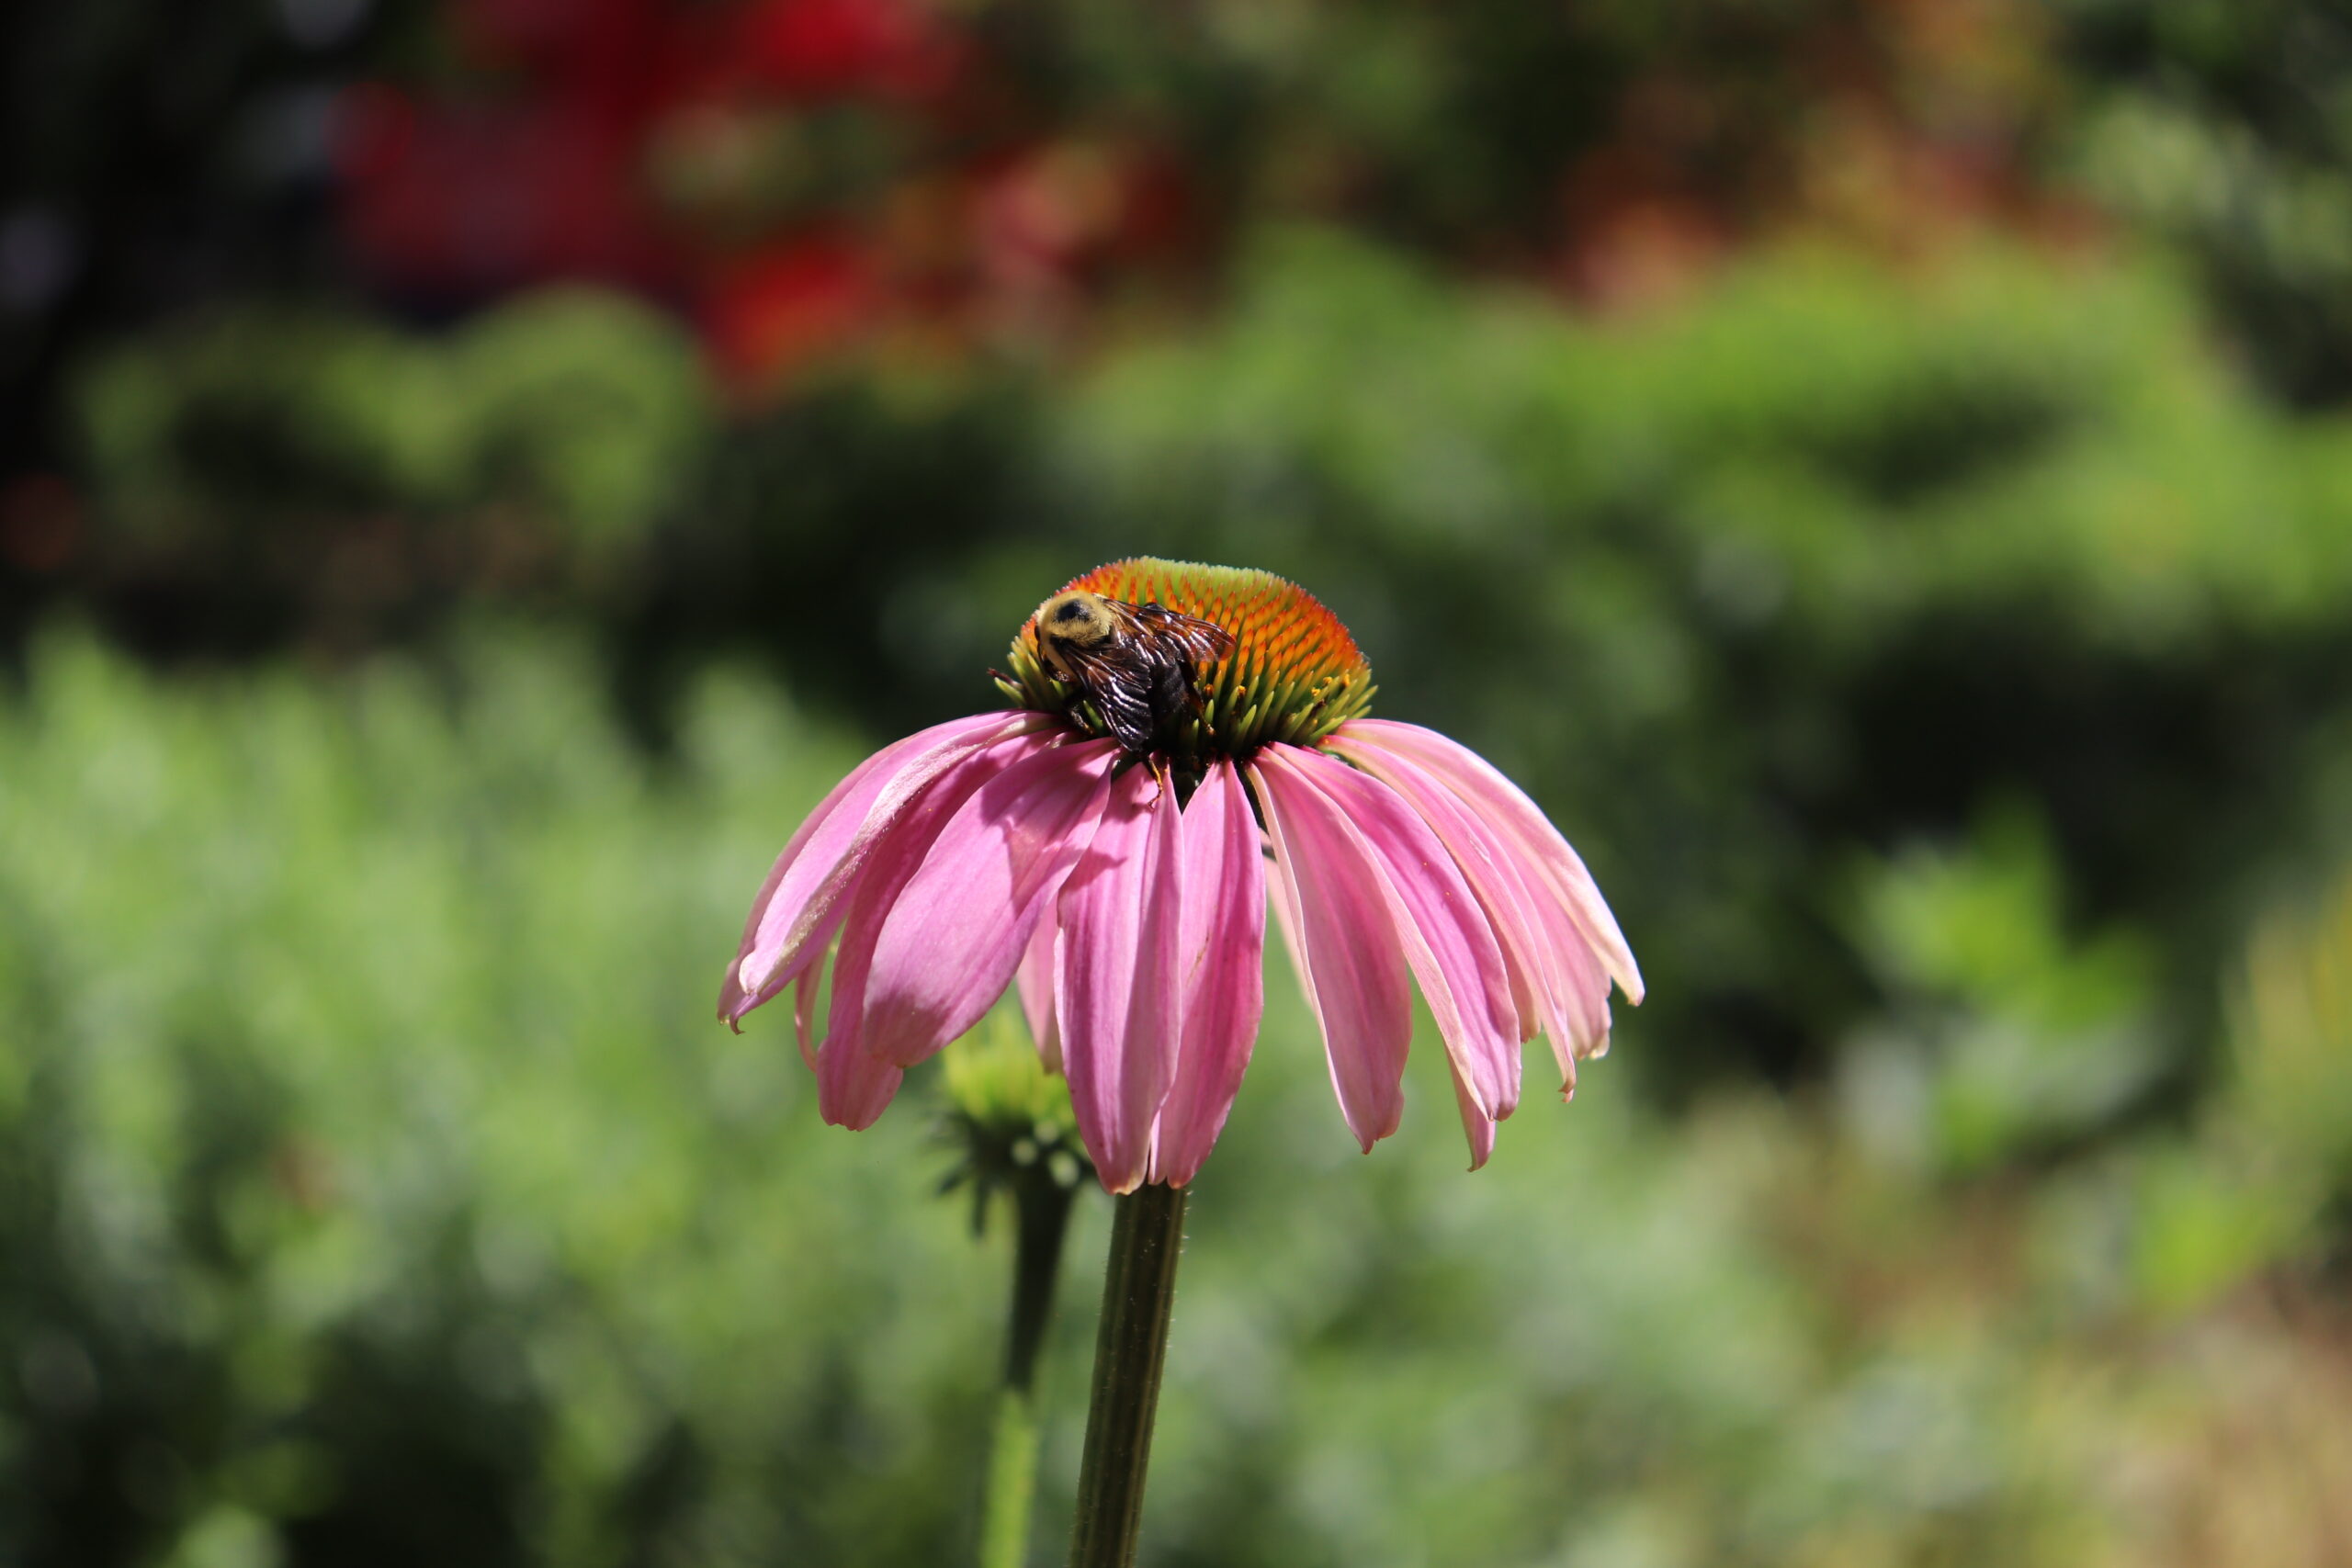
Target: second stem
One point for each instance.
(1041, 1212)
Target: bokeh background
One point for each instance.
(1880, 471)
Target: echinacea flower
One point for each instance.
(1125, 892)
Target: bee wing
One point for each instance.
(1113, 680)
(1201, 640)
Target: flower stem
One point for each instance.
(1012, 1482)
(1041, 1208)
(1138, 1292)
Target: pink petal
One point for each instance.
(1574, 982)
(1486, 864)
(1120, 997)
(1583, 1028)
(735, 996)
(1503, 803)
(801, 901)
(1221, 945)
(1285, 904)
(1556, 981)
(1476, 1125)
(954, 936)
(853, 1085)
(1446, 937)
(1035, 980)
(803, 1009)
(1351, 966)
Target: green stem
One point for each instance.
(1139, 1293)
(1041, 1206)
(1012, 1482)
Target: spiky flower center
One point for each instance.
(1295, 675)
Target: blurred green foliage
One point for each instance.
(1917, 581)
(2002, 1036)
(570, 403)
(527, 455)
(2228, 127)
(376, 1189)
(1831, 558)
(367, 1138)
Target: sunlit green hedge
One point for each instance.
(375, 1187)
(1824, 566)
(374, 1168)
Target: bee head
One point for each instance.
(1075, 619)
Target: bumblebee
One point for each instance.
(1139, 664)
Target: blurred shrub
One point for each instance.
(1826, 559)
(2223, 129)
(351, 474)
(2268, 1174)
(2001, 1036)
(1827, 556)
(2291, 1089)
(377, 1188)
(374, 1187)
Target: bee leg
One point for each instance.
(1194, 696)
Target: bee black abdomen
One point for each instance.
(1171, 688)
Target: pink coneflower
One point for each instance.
(1125, 888)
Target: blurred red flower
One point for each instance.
(831, 48)
(786, 303)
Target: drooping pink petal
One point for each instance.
(1482, 785)
(800, 902)
(737, 998)
(1221, 945)
(1120, 1001)
(1584, 1001)
(1476, 1125)
(1447, 940)
(1575, 983)
(804, 1011)
(853, 1085)
(1283, 900)
(1557, 983)
(954, 937)
(1491, 869)
(1352, 964)
(1037, 980)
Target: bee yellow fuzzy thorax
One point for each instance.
(1293, 675)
